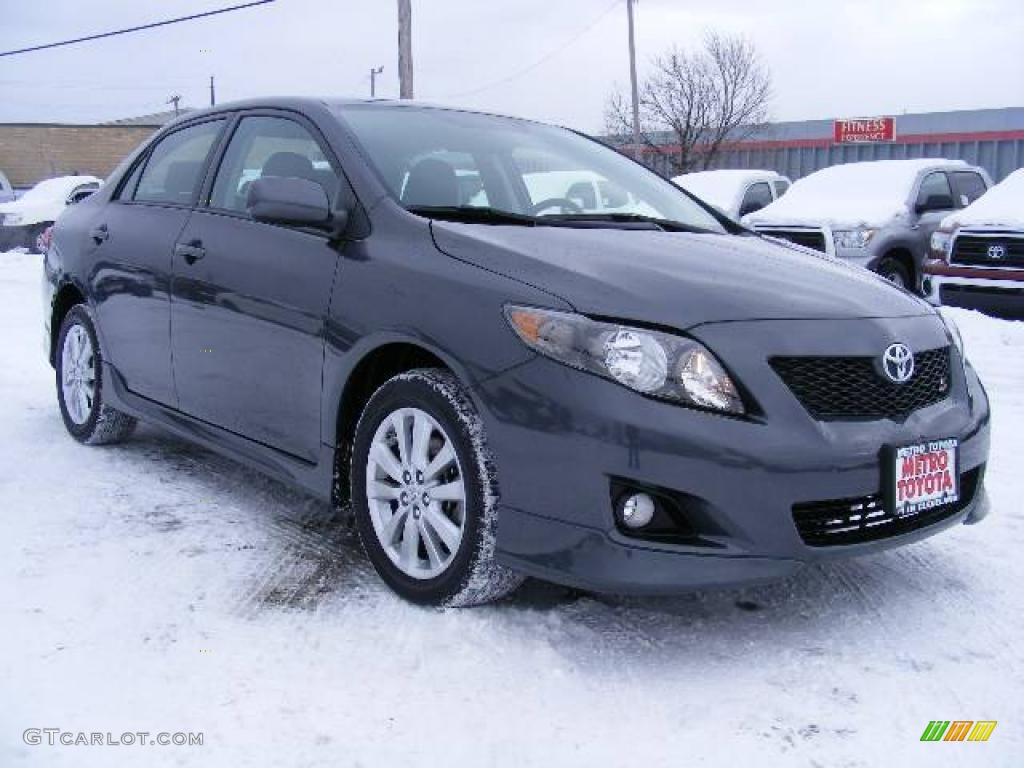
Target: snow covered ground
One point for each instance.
(156, 587)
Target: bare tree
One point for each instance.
(702, 100)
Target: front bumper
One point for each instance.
(999, 292)
(560, 437)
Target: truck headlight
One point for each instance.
(852, 238)
(658, 364)
(13, 219)
(940, 244)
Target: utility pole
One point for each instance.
(632, 81)
(405, 49)
(174, 100)
(373, 81)
(213, 98)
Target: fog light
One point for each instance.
(637, 511)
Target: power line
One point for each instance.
(549, 55)
(135, 29)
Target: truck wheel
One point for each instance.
(80, 384)
(425, 494)
(893, 271)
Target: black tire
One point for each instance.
(472, 577)
(896, 273)
(104, 424)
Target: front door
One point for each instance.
(249, 299)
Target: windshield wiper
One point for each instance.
(473, 214)
(652, 222)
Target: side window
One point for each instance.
(269, 146)
(175, 166)
(967, 187)
(128, 187)
(758, 196)
(781, 187)
(935, 186)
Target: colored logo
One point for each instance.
(958, 730)
(898, 362)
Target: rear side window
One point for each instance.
(758, 196)
(175, 166)
(781, 187)
(269, 146)
(967, 187)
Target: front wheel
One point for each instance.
(80, 384)
(425, 493)
(895, 273)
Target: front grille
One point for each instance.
(854, 521)
(809, 238)
(835, 388)
(974, 249)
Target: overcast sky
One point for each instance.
(554, 60)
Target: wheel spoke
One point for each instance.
(421, 431)
(384, 492)
(443, 458)
(402, 436)
(386, 460)
(443, 527)
(449, 492)
(83, 402)
(410, 543)
(390, 531)
(433, 553)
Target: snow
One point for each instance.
(869, 194)
(1002, 206)
(119, 565)
(47, 199)
(723, 189)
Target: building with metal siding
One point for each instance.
(991, 138)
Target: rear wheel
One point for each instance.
(80, 384)
(895, 272)
(425, 494)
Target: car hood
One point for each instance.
(43, 210)
(676, 279)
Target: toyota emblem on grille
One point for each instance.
(997, 252)
(898, 362)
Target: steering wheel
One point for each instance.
(566, 205)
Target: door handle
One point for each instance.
(191, 252)
(99, 234)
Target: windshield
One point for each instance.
(445, 159)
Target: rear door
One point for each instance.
(134, 238)
(250, 299)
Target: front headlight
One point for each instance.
(940, 243)
(13, 219)
(650, 362)
(852, 238)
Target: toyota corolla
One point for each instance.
(400, 309)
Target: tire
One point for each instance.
(893, 271)
(79, 363)
(433, 551)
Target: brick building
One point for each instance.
(31, 152)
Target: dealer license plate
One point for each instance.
(924, 476)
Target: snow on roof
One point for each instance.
(851, 195)
(722, 188)
(58, 188)
(1002, 206)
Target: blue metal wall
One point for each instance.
(991, 138)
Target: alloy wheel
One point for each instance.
(78, 374)
(415, 493)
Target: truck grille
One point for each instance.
(854, 521)
(808, 238)
(994, 250)
(853, 388)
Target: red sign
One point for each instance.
(865, 130)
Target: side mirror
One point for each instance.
(935, 203)
(289, 200)
(750, 207)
